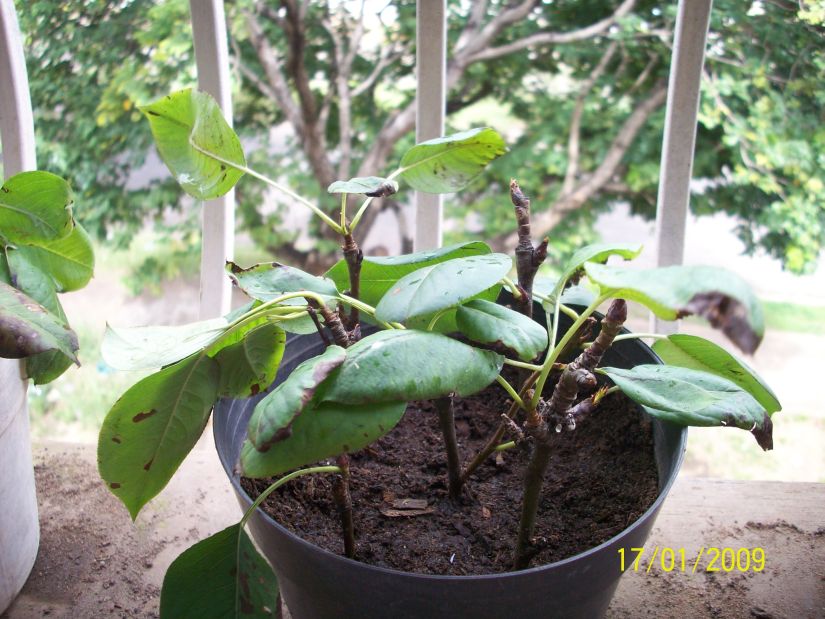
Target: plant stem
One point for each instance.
(528, 258)
(280, 482)
(314, 316)
(359, 214)
(343, 499)
(336, 327)
(533, 481)
(510, 391)
(523, 365)
(437, 317)
(633, 336)
(506, 446)
(298, 198)
(495, 439)
(509, 283)
(446, 419)
(353, 257)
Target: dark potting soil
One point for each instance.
(601, 478)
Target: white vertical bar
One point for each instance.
(680, 135)
(218, 224)
(16, 121)
(431, 64)
(19, 526)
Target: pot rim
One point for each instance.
(234, 478)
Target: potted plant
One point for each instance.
(44, 252)
(375, 334)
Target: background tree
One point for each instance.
(578, 86)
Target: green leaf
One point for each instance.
(322, 431)
(720, 296)
(374, 186)
(378, 273)
(447, 284)
(250, 365)
(153, 426)
(28, 328)
(274, 415)
(140, 348)
(597, 252)
(696, 353)
(68, 261)
(186, 118)
(46, 366)
(220, 577)
(450, 163)
(489, 323)
(267, 281)
(31, 280)
(390, 366)
(693, 398)
(35, 206)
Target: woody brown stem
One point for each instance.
(343, 499)
(446, 419)
(335, 326)
(533, 481)
(314, 315)
(611, 325)
(528, 258)
(353, 256)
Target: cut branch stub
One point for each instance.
(274, 415)
(186, 125)
(450, 163)
(720, 296)
(693, 398)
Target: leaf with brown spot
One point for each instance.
(251, 362)
(721, 297)
(222, 576)
(27, 328)
(275, 414)
(159, 420)
(143, 416)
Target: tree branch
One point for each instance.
(545, 221)
(576, 118)
(550, 38)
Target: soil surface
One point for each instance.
(601, 478)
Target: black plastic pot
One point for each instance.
(317, 584)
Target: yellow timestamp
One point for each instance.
(706, 559)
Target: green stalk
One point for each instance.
(283, 189)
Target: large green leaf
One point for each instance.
(597, 252)
(267, 281)
(28, 328)
(441, 286)
(188, 117)
(151, 428)
(68, 261)
(274, 415)
(35, 206)
(693, 398)
(322, 431)
(221, 577)
(368, 185)
(697, 353)
(489, 323)
(140, 348)
(720, 296)
(448, 164)
(378, 273)
(250, 365)
(390, 366)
